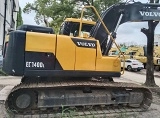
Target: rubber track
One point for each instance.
(113, 85)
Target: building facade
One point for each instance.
(8, 17)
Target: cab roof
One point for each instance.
(79, 20)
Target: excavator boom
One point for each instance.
(119, 14)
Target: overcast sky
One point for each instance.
(127, 32)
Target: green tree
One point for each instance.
(58, 10)
(19, 17)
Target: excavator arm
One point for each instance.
(120, 13)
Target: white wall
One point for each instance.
(1, 20)
(15, 13)
(9, 18)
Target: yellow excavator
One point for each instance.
(156, 55)
(136, 52)
(113, 51)
(72, 71)
(139, 53)
(156, 51)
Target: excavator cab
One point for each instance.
(71, 26)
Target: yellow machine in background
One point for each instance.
(156, 52)
(156, 55)
(112, 51)
(138, 52)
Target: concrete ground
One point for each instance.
(137, 77)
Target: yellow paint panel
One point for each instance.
(108, 64)
(85, 58)
(65, 52)
(40, 42)
(7, 38)
(99, 52)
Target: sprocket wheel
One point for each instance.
(22, 100)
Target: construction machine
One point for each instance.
(136, 52)
(73, 71)
(112, 51)
(115, 52)
(156, 58)
(140, 53)
(156, 51)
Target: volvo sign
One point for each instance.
(155, 14)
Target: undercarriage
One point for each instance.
(54, 97)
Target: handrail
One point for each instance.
(80, 28)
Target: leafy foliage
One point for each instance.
(19, 17)
(58, 10)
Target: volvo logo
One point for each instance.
(155, 14)
(86, 44)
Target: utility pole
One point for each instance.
(4, 23)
